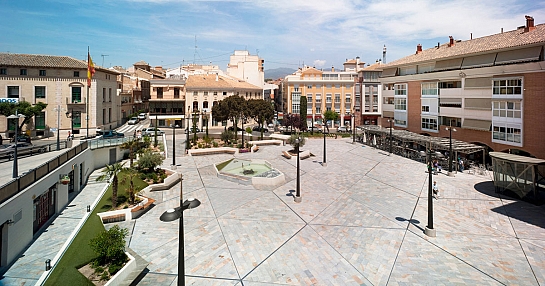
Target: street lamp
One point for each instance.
(298, 187)
(187, 129)
(156, 123)
(390, 120)
(15, 166)
(354, 127)
(324, 162)
(430, 231)
(173, 146)
(450, 129)
(178, 213)
(70, 114)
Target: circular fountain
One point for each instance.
(255, 172)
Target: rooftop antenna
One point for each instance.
(195, 53)
(384, 54)
(103, 59)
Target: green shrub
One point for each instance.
(150, 160)
(114, 268)
(109, 245)
(215, 144)
(226, 136)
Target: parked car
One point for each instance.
(258, 129)
(194, 130)
(343, 129)
(314, 129)
(133, 121)
(232, 128)
(110, 134)
(150, 131)
(23, 148)
(142, 116)
(21, 138)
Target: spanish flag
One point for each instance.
(90, 69)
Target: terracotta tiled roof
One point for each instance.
(208, 81)
(373, 67)
(496, 42)
(25, 60)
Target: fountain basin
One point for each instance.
(254, 172)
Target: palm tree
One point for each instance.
(132, 146)
(111, 171)
(131, 174)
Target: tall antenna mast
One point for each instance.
(103, 59)
(195, 53)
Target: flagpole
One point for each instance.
(87, 103)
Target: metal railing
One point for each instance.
(108, 142)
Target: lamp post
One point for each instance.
(450, 129)
(15, 166)
(156, 124)
(390, 120)
(430, 231)
(174, 145)
(178, 213)
(324, 163)
(298, 198)
(70, 114)
(353, 127)
(187, 129)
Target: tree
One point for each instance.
(149, 160)
(330, 116)
(292, 120)
(109, 246)
(220, 112)
(24, 108)
(261, 111)
(132, 146)
(294, 137)
(131, 174)
(112, 171)
(236, 107)
(303, 112)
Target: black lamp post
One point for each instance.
(324, 163)
(354, 128)
(390, 120)
(450, 129)
(298, 198)
(70, 114)
(178, 213)
(174, 145)
(156, 124)
(187, 129)
(430, 231)
(15, 166)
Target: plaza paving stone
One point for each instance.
(361, 222)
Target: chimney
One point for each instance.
(216, 77)
(529, 24)
(451, 42)
(418, 49)
(384, 54)
(332, 69)
(357, 63)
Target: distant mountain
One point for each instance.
(278, 73)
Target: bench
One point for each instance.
(304, 155)
(255, 148)
(286, 154)
(266, 142)
(113, 218)
(143, 207)
(211, 151)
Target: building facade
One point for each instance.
(324, 90)
(368, 93)
(246, 67)
(490, 88)
(61, 82)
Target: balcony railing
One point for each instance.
(75, 101)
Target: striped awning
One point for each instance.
(477, 124)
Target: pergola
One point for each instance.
(519, 174)
(404, 139)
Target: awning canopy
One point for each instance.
(485, 60)
(477, 124)
(451, 64)
(520, 55)
(389, 72)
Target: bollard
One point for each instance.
(88, 208)
(48, 265)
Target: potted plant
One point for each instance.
(65, 180)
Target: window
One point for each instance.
(76, 119)
(309, 86)
(309, 98)
(318, 109)
(76, 73)
(110, 96)
(42, 73)
(206, 93)
(429, 88)
(295, 108)
(76, 94)
(506, 133)
(13, 92)
(337, 98)
(205, 104)
(425, 108)
(328, 98)
(450, 84)
(195, 93)
(506, 109)
(328, 86)
(3, 71)
(400, 89)
(400, 104)
(318, 86)
(318, 98)
(400, 122)
(159, 92)
(39, 120)
(429, 123)
(337, 86)
(39, 91)
(176, 92)
(215, 93)
(388, 100)
(22, 72)
(507, 86)
(224, 93)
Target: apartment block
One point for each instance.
(324, 90)
(490, 88)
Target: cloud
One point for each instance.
(319, 63)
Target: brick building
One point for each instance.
(491, 88)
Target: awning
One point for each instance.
(517, 56)
(389, 72)
(478, 82)
(477, 124)
(479, 61)
(388, 114)
(450, 100)
(171, 117)
(452, 64)
(478, 103)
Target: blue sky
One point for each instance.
(285, 33)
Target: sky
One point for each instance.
(285, 33)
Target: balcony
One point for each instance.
(70, 101)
